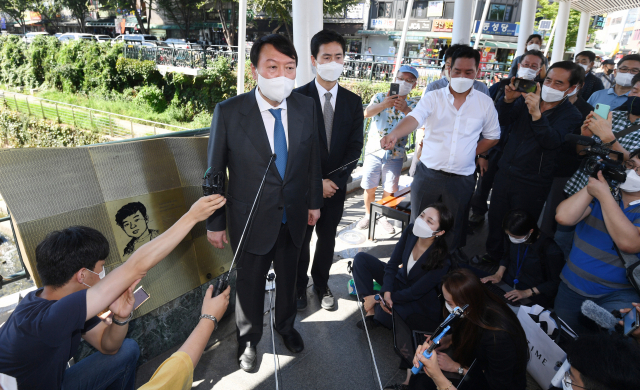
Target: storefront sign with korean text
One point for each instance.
(497, 28)
(379, 24)
(443, 25)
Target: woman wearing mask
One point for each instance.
(489, 333)
(533, 264)
(411, 291)
(534, 42)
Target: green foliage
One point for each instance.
(137, 72)
(19, 131)
(151, 96)
(547, 10)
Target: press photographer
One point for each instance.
(604, 226)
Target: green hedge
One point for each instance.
(19, 131)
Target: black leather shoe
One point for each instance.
(293, 341)
(327, 301)
(247, 356)
(301, 301)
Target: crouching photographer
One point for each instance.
(607, 229)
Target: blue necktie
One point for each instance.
(280, 148)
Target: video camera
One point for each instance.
(598, 158)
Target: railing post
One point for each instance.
(73, 114)
(173, 56)
(16, 101)
(154, 129)
(26, 99)
(110, 126)
(57, 113)
(132, 135)
(42, 108)
(91, 117)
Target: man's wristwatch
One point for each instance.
(212, 318)
(122, 323)
(483, 156)
(460, 370)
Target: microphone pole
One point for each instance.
(223, 282)
(351, 162)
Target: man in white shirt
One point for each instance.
(456, 117)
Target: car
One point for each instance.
(89, 38)
(180, 43)
(75, 36)
(135, 38)
(29, 37)
(57, 35)
(102, 37)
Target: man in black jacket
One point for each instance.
(540, 121)
(592, 83)
(340, 118)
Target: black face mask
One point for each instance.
(608, 71)
(633, 105)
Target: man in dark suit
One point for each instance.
(245, 133)
(340, 117)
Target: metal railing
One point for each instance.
(103, 122)
(178, 57)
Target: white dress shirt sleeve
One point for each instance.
(491, 125)
(423, 109)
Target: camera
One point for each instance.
(598, 158)
(213, 182)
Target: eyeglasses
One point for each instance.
(567, 381)
(630, 165)
(629, 70)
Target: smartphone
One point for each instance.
(631, 321)
(525, 86)
(602, 110)
(394, 89)
(140, 296)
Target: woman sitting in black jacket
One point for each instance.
(489, 333)
(533, 264)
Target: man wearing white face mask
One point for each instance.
(627, 68)
(456, 117)
(592, 83)
(443, 82)
(246, 132)
(340, 119)
(539, 122)
(534, 42)
(594, 269)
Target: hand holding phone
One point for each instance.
(602, 110)
(631, 321)
(394, 89)
(140, 297)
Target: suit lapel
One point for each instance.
(313, 90)
(294, 127)
(253, 126)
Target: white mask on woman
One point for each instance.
(421, 229)
(461, 84)
(330, 71)
(533, 46)
(448, 306)
(277, 88)
(624, 79)
(518, 240)
(405, 87)
(632, 184)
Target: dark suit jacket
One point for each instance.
(346, 134)
(238, 144)
(416, 293)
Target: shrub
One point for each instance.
(137, 72)
(151, 96)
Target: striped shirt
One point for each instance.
(629, 142)
(594, 268)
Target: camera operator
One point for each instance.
(539, 122)
(620, 132)
(594, 269)
(602, 362)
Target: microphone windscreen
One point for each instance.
(599, 315)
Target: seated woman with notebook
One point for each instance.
(489, 333)
(411, 278)
(533, 264)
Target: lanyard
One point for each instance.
(519, 265)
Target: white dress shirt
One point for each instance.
(322, 91)
(268, 119)
(410, 263)
(452, 137)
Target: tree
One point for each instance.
(79, 10)
(550, 11)
(49, 11)
(181, 12)
(15, 9)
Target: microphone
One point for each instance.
(580, 139)
(599, 315)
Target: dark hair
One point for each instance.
(279, 42)
(323, 37)
(63, 253)
(519, 223)
(534, 36)
(575, 77)
(536, 53)
(439, 250)
(629, 57)
(452, 49)
(635, 79)
(466, 52)
(589, 54)
(486, 311)
(635, 153)
(612, 367)
(130, 209)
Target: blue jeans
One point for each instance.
(105, 372)
(569, 302)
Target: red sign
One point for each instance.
(443, 25)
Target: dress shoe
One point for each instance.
(301, 301)
(293, 341)
(327, 301)
(247, 356)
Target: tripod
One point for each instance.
(271, 277)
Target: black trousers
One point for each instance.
(556, 196)
(509, 194)
(326, 227)
(250, 283)
(485, 183)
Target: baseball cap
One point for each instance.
(409, 69)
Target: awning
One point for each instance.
(194, 26)
(596, 51)
(499, 45)
(416, 34)
(599, 7)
